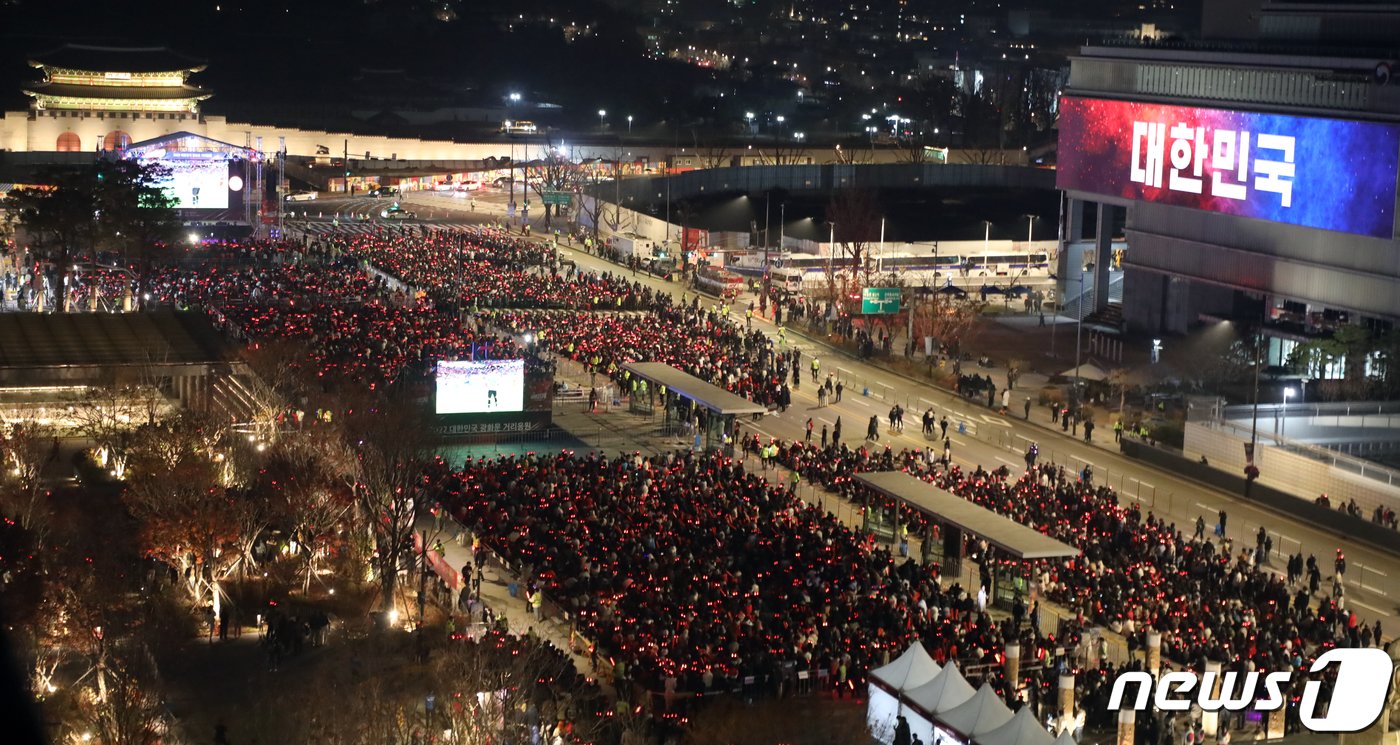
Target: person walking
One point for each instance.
(943, 427)
(836, 433)
(1220, 526)
(808, 437)
(872, 432)
(947, 452)
(1028, 408)
(824, 437)
(1088, 430)
(1200, 528)
(839, 387)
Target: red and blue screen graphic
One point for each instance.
(1331, 174)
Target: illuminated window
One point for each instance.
(116, 140)
(68, 142)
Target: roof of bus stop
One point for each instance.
(687, 386)
(1017, 540)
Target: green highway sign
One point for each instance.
(557, 197)
(879, 300)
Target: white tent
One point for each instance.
(889, 683)
(978, 715)
(1065, 738)
(948, 690)
(1021, 730)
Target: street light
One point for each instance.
(602, 117)
(629, 124)
(515, 98)
(1030, 227)
(1287, 394)
(748, 116)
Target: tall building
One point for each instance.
(1257, 172)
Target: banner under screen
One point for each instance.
(1331, 174)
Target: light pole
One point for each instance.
(748, 118)
(602, 118)
(781, 119)
(987, 236)
(1030, 228)
(629, 124)
(1078, 331)
(1287, 394)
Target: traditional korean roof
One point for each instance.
(116, 59)
(74, 90)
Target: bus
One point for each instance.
(719, 281)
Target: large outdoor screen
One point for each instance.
(198, 183)
(1320, 173)
(478, 387)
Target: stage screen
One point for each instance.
(1319, 173)
(198, 183)
(477, 387)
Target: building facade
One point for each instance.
(1258, 180)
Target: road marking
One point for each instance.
(862, 403)
(1007, 462)
(1373, 570)
(1150, 486)
(1204, 506)
(1369, 607)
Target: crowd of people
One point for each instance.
(354, 325)
(701, 342)
(692, 575)
(1137, 572)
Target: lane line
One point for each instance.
(1007, 462)
(1369, 607)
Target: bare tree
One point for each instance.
(25, 449)
(552, 172)
(852, 155)
(715, 155)
(391, 447)
(950, 320)
(193, 518)
(781, 154)
(856, 217)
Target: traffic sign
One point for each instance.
(557, 197)
(879, 300)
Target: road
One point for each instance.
(980, 436)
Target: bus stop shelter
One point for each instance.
(688, 402)
(957, 517)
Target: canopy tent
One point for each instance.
(912, 669)
(1087, 371)
(948, 690)
(1066, 738)
(888, 685)
(978, 715)
(1021, 730)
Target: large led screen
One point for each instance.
(198, 183)
(478, 387)
(1320, 173)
